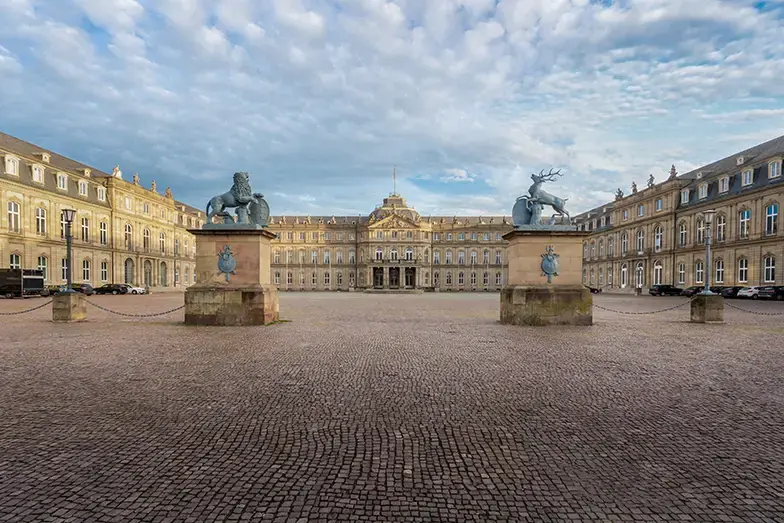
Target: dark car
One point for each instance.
(691, 291)
(84, 288)
(718, 289)
(731, 292)
(665, 290)
(112, 288)
(51, 290)
(771, 293)
(593, 290)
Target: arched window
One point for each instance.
(699, 272)
(657, 272)
(146, 240)
(624, 276)
(339, 256)
(719, 271)
(289, 278)
(449, 257)
(601, 277)
(771, 218)
(769, 269)
(393, 254)
(683, 234)
(460, 278)
(314, 256)
(460, 257)
(409, 254)
(327, 259)
(473, 279)
(744, 219)
(473, 257)
(352, 257)
(14, 217)
(658, 238)
(436, 279)
(43, 265)
(128, 237)
(449, 278)
(40, 221)
(639, 274)
(15, 261)
(611, 247)
(640, 240)
(592, 276)
(700, 230)
(12, 166)
(624, 244)
(601, 248)
(486, 256)
(485, 279)
(593, 249)
(379, 254)
(721, 228)
(162, 241)
(301, 256)
(743, 270)
(340, 278)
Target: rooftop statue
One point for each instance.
(252, 209)
(618, 194)
(527, 211)
(634, 188)
(650, 180)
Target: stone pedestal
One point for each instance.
(243, 296)
(69, 306)
(529, 298)
(707, 308)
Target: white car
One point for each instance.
(135, 290)
(749, 292)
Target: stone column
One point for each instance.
(386, 277)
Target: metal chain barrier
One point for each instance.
(637, 313)
(731, 306)
(26, 310)
(152, 314)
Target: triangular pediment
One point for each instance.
(394, 221)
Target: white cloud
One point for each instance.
(319, 100)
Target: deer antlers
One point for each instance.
(549, 177)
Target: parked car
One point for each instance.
(593, 290)
(18, 283)
(665, 290)
(749, 292)
(84, 288)
(51, 290)
(717, 289)
(130, 289)
(731, 292)
(691, 291)
(773, 292)
(111, 288)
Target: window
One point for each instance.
(699, 272)
(104, 271)
(176, 246)
(774, 169)
(43, 265)
(327, 259)
(681, 273)
(146, 240)
(640, 240)
(339, 236)
(624, 244)
(427, 256)
(128, 236)
(460, 258)
(485, 256)
(486, 236)
(436, 257)
(162, 242)
(460, 278)
(449, 237)
(277, 278)
(449, 278)
(38, 174)
(101, 194)
(625, 214)
(601, 248)
(82, 188)
(700, 230)
(409, 254)
(288, 253)
(498, 237)
(146, 208)
(593, 249)
(719, 271)
(85, 230)
(685, 196)
(498, 278)
(313, 278)
(289, 278)
(498, 257)
(641, 210)
(276, 256)
(485, 279)
(62, 182)
(379, 254)
(339, 256)
(394, 235)
(611, 247)
(314, 236)
(721, 228)
(40, 221)
(724, 184)
(314, 256)
(658, 238)
(15, 261)
(393, 254)
(409, 235)
(771, 218)
(657, 273)
(473, 279)
(461, 236)
(743, 223)
(449, 256)
(63, 224)
(86, 270)
(609, 275)
(340, 278)
(302, 278)
(624, 276)
(129, 205)
(12, 166)
(302, 236)
(743, 270)
(473, 257)
(64, 268)
(703, 191)
(639, 275)
(769, 264)
(436, 236)
(748, 177)
(326, 236)
(14, 218)
(682, 234)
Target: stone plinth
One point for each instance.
(528, 297)
(707, 308)
(242, 297)
(69, 306)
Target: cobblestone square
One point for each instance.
(391, 409)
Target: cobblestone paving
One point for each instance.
(391, 408)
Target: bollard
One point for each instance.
(68, 307)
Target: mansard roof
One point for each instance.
(56, 161)
(729, 165)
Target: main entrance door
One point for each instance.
(378, 278)
(410, 277)
(394, 277)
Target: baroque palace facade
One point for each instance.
(122, 232)
(657, 235)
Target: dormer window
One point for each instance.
(83, 188)
(740, 160)
(748, 177)
(724, 184)
(685, 196)
(774, 169)
(703, 191)
(38, 174)
(62, 181)
(101, 194)
(11, 166)
(43, 156)
(699, 175)
(87, 172)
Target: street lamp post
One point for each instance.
(708, 215)
(68, 217)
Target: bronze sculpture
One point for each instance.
(528, 208)
(251, 208)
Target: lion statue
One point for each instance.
(241, 196)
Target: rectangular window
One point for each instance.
(101, 194)
(86, 270)
(473, 236)
(85, 230)
(681, 274)
(498, 257)
(743, 224)
(15, 261)
(146, 208)
(659, 206)
(698, 273)
(640, 210)
(104, 271)
(38, 174)
(703, 191)
(64, 268)
(486, 236)
(748, 177)
(436, 258)
(314, 257)
(436, 236)
(774, 169)
(743, 270)
(314, 236)
(83, 188)
(449, 236)
(685, 196)
(290, 236)
(326, 236)
(42, 266)
(62, 182)
(625, 214)
(302, 236)
(128, 203)
(719, 271)
(724, 184)
(103, 233)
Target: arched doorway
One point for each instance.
(129, 270)
(147, 273)
(639, 275)
(163, 274)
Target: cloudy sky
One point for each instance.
(318, 99)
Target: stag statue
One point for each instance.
(528, 209)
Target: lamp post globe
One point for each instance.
(68, 218)
(708, 217)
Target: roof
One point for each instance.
(362, 220)
(21, 147)
(729, 164)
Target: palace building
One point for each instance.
(656, 235)
(122, 231)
